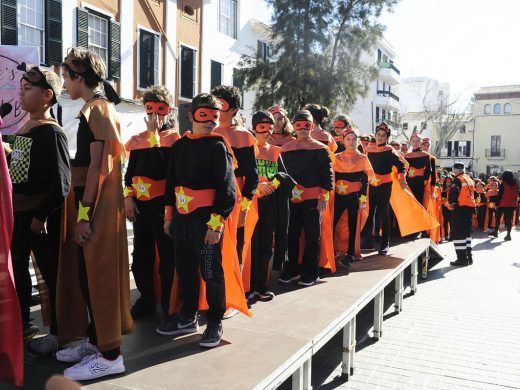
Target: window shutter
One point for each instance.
(449, 148)
(456, 148)
(114, 67)
(468, 148)
(9, 30)
(54, 50)
(81, 28)
(157, 44)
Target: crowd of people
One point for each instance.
(213, 210)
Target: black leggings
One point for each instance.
(379, 202)
(349, 202)
(507, 212)
(446, 216)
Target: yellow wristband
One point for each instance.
(215, 223)
(325, 196)
(245, 204)
(363, 199)
(84, 213)
(128, 191)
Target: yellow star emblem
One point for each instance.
(141, 188)
(183, 200)
(363, 198)
(342, 187)
(154, 140)
(127, 192)
(411, 172)
(215, 222)
(297, 193)
(374, 181)
(276, 183)
(83, 213)
(244, 205)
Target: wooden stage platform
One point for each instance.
(277, 343)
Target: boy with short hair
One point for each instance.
(40, 173)
(145, 182)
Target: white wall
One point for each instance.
(416, 92)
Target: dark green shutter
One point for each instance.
(114, 53)
(468, 148)
(81, 28)
(9, 32)
(54, 50)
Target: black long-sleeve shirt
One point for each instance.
(202, 163)
(383, 158)
(151, 162)
(420, 160)
(39, 164)
(309, 167)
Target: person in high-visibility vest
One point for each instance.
(462, 202)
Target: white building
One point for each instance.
(382, 101)
(231, 29)
(418, 94)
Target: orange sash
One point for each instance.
(147, 189)
(301, 193)
(345, 187)
(188, 200)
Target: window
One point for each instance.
(216, 74)
(507, 108)
(262, 53)
(423, 125)
(496, 141)
(405, 126)
(101, 34)
(462, 148)
(497, 109)
(487, 109)
(149, 44)
(98, 35)
(463, 129)
(377, 114)
(188, 72)
(228, 17)
(31, 22)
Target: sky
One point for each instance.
(466, 43)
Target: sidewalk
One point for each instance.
(460, 331)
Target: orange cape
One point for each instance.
(106, 251)
(142, 140)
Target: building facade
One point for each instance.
(382, 101)
(497, 123)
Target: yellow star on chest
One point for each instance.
(154, 140)
(411, 172)
(297, 193)
(183, 200)
(215, 222)
(141, 189)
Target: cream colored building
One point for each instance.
(497, 129)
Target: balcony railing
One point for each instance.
(389, 65)
(496, 153)
(388, 94)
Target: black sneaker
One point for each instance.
(384, 251)
(459, 263)
(367, 245)
(507, 237)
(211, 336)
(264, 295)
(470, 260)
(178, 325)
(29, 330)
(346, 261)
(142, 309)
(494, 234)
(286, 277)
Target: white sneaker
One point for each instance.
(43, 345)
(76, 353)
(230, 313)
(94, 366)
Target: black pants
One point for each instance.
(149, 235)
(461, 234)
(481, 216)
(492, 213)
(507, 212)
(446, 216)
(306, 216)
(379, 202)
(350, 203)
(416, 185)
(262, 243)
(46, 251)
(191, 257)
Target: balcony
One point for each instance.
(496, 154)
(387, 100)
(389, 73)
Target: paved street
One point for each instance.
(461, 331)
